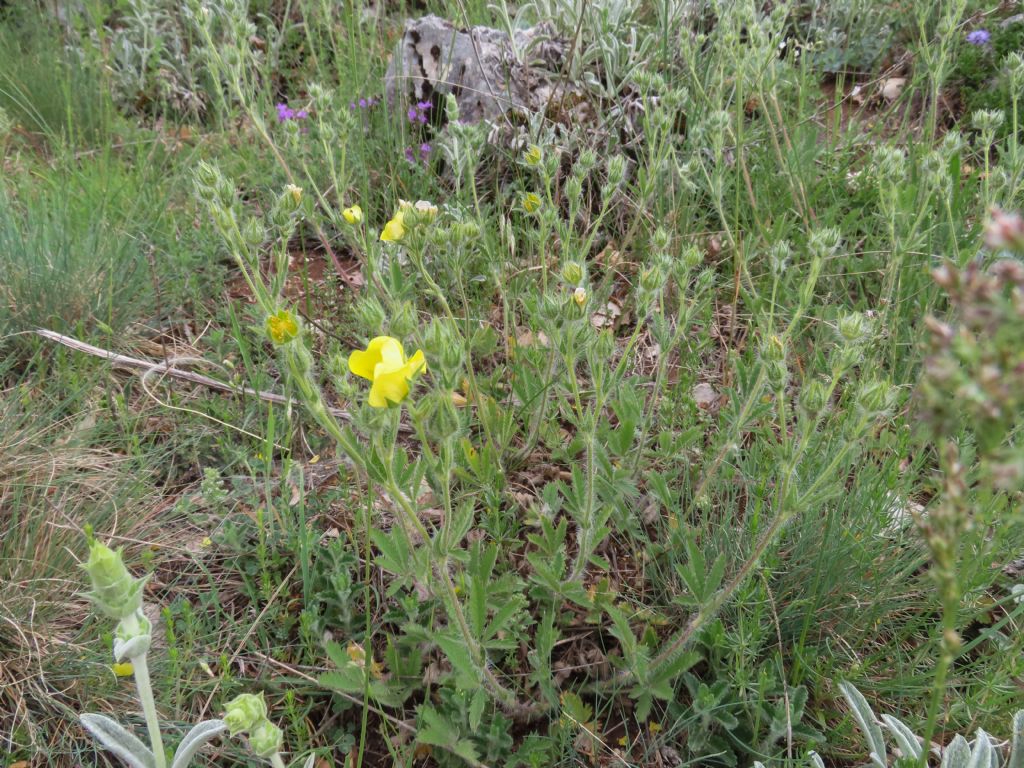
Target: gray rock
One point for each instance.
(487, 72)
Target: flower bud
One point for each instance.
(573, 188)
(773, 349)
(533, 155)
(282, 327)
(531, 202)
(244, 712)
(114, 590)
(572, 272)
(585, 163)
(988, 121)
(616, 170)
(661, 239)
(778, 257)
(206, 174)
(353, 215)
(254, 233)
(814, 397)
(294, 192)
(692, 257)
(777, 374)
(265, 739)
(580, 296)
(874, 397)
(853, 327)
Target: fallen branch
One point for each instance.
(133, 363)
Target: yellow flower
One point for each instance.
(295, 192)
(353, 215)
(282, 327)
(580, 296)
(533, 155)
(384, 363)
(531, 202)
(394, 230)
(124, 669)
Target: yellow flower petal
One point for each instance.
(362, 363)
(384, 363)
(417, 364)
(353, 215)
(124, 669)
(394, 230)
(389, 388)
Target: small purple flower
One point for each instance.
(412, 114)
(363, 103)
(409, 156)
(351, 105)
(285, 113)
(423, 106)
(424, 149)
(979, 37)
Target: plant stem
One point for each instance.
(141, 667)
(276, 760)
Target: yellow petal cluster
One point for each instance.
(282, 327)
(406, 217)
(353, 215)
(384, 364)
(394, 230)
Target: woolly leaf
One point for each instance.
(194, 739)
(867, 721)
(116, 739)
(957, 754)
(981, 755)
(1017, 740)
(908, 743)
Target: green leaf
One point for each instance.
(435, 730)
(476, 709)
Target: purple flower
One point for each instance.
(363, 103)
(409, 155)
(424, 149)
(413, 114)
(284, 113)
(351, 105)
(979, 37)
(423, 106)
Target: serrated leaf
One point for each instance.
(476, 709)
(458, 655)
(861, 711)
(678, 664)
(118, 740)
(348, 679)
(196, 738)
(957, 754)
(435, 730)
(465, 749)
(906, 740)
(1017, 740)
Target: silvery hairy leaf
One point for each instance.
(194, 739)
(115, 738)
